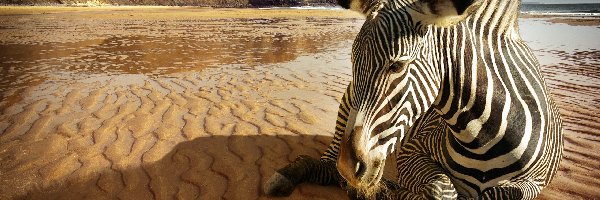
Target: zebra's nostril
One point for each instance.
(359, 169)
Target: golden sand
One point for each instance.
(190, 107)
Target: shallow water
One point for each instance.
(165, 103)
(154, 48)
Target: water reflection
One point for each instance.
(161, 48)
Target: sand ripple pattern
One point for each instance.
(574, 83)
(164, 108)
(207, 135)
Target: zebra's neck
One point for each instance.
(496, 17)
(490, 78)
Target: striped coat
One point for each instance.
(454, 91)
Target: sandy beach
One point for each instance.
(197, 103)
(569, 54)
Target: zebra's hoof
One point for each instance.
(278, 185)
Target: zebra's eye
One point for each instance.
(396, 67)
(399, 65)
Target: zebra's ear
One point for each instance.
(444, 12)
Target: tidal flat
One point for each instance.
(195, 103)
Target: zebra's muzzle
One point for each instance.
(356, 164)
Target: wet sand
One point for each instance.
(158, 102)
(570, 59)
(172, 103)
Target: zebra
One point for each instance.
(450, 88)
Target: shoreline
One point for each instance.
(95, 4)
(324, 6)
(268, 11)
(193, 12)
(573, 20)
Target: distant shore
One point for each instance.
(567, 19)
(205, 3)
(583, 19)
(8, 9)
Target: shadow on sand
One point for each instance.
(217, 167)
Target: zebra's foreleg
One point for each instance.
(303, 169)
(418, 172)
(422, 177)
(306, 169)
(522, 190)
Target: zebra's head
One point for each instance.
(393, 80)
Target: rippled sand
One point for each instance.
(171, 104)
(154, 102)
(570, 59)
